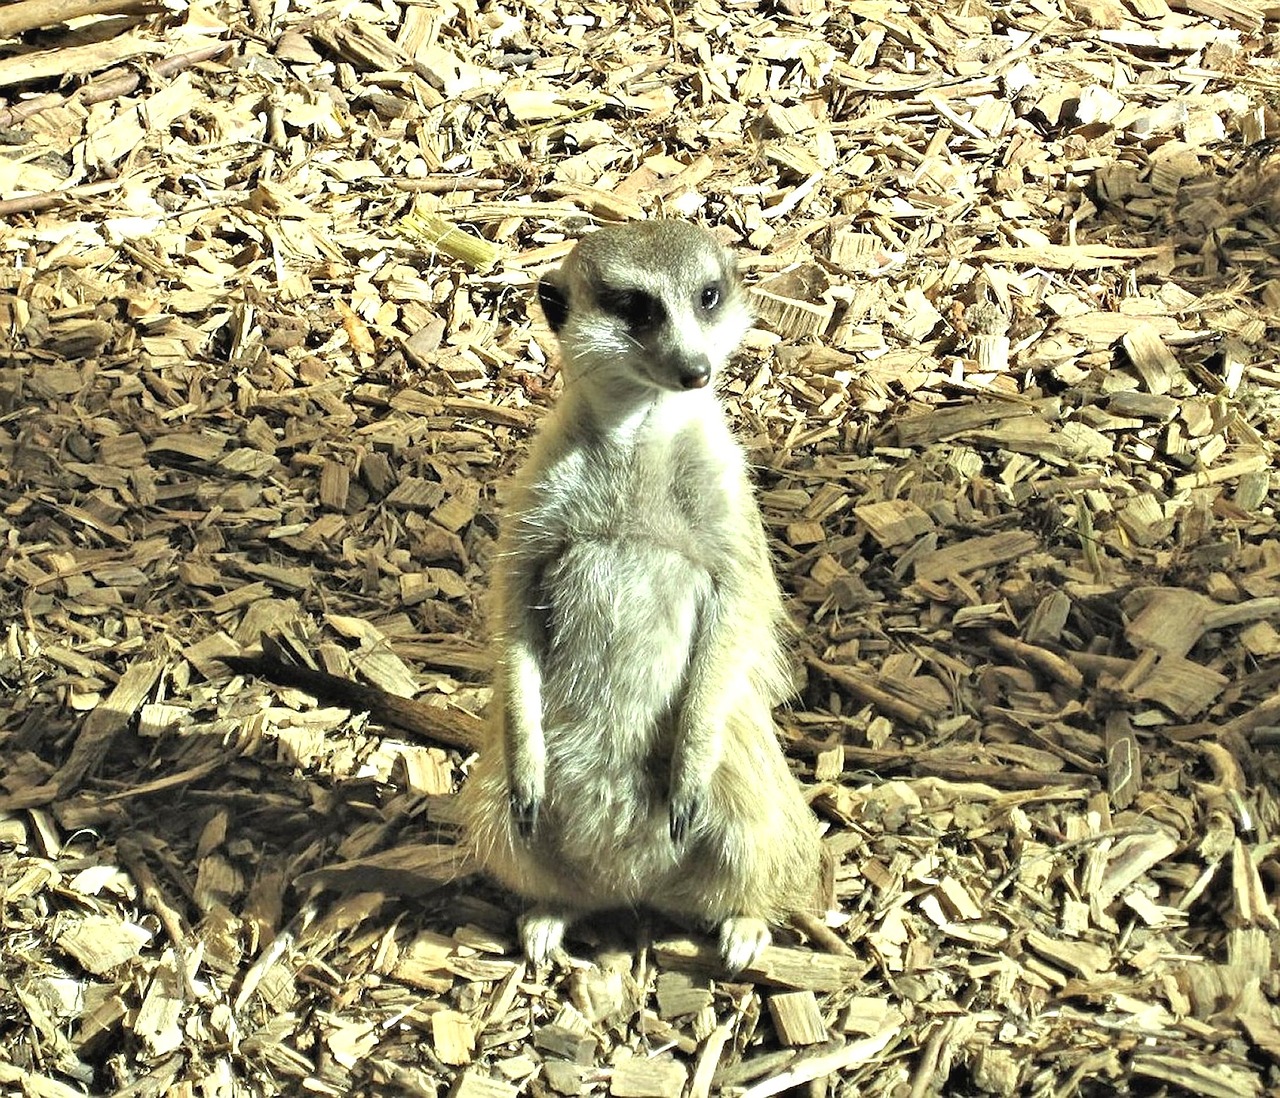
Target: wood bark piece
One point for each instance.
(776, 966)
(968, 556)
(797, 1017)
(30, 14)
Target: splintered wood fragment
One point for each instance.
(945, 422)
(399, 871)
(708, 1061)
(1171, 621)
(679, 995)
(1124, 763)
(894, 521)
(976, 553)
(818, 1064)
(867, 691)
(360, 43)
(1085, 959)
(797, 1018)
(96, 1026)
(1055, 666)
(1131, 857)
(102, 943)
(642, 1077)
(335, 483)
(453, 1037)
(566, 1042)
(777, 965)
(790, 318)
(1255, 1014)
(1234, 13)
(501, 414)
(1209, 1080)
(158, 1021)
(1152, 358)
(474, 1083)
(1250, 905)
(1048, 619)
(1068, 257)
(1181, 686)
(958, 900)
(97, 734)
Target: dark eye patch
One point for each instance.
(635, 308)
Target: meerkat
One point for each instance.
(632, 759)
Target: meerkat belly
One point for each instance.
(621, 619)
(621, 623)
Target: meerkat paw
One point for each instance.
(541, 933)
(742, 940)
(524, 811)
(684, 810)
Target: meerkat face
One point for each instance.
(658, 302)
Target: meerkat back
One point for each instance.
(633, 759)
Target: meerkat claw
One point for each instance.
(524, 812)
(742, 940)
(683, 813)
(541, 933)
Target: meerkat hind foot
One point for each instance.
(742, 940)
(541, 932)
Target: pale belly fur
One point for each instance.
(621, 624)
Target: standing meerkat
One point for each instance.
(632, 758)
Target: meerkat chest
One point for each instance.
(674, 493)
(636, 538)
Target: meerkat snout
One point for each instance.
(696, 374)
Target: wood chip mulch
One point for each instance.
(268, 352)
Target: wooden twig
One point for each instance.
(868, 692)
(1053, 665)
(47, 200)
(825, 1062)
(134, 860)
(451, 727)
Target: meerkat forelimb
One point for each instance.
(633, 759)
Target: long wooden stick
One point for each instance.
(46, 200)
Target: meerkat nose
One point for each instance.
(696, 376)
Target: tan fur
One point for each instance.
(632, 759)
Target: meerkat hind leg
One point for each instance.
(541, 932)
(742, 940)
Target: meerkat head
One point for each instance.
(654, 302)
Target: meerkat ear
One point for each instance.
(554, 300)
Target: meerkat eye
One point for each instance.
(711, 297)
(635, 308)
